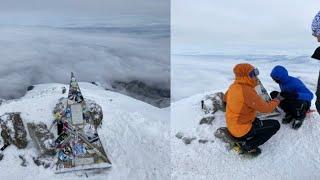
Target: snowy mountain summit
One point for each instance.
(290, 154)
(135, 135)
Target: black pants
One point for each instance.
(260, 133)
(318, 95)
(295, 107)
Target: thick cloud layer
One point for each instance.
(104, 50)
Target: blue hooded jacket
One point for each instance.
(291, 84)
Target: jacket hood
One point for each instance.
(241, 72)
(280, 73)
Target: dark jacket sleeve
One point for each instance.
(318, 95)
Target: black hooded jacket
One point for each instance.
(316, 55)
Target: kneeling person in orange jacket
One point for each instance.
(243, 102)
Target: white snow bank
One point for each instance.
(290, 154)
(134, 134)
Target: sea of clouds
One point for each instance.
(122, 48)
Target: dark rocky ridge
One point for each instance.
(139, 90)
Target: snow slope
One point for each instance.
(290, 154)
(134, 134)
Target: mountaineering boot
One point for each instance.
(301, 115)
(287, 119)
(297, 123)
(237, 147)
(254, 152)
(245, 149)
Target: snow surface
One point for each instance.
(290, 154)
(134, 134)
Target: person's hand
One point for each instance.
(279, 97)
(274, 94)
(288, 95)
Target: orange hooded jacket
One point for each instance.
(243, 102)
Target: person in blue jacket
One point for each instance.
(297, 97)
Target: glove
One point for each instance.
(274, 94)
(288, 95)
(279, 97)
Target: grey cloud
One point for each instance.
(34, 54)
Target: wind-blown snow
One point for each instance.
(134, 134)
(290, 154)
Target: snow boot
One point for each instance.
(301, 115)
(254, 152)
(247, 150)
(287, 119)
(297, 124)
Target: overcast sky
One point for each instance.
(247, 25)
(88, 7)
(57, 12)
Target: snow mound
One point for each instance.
(290, 154)
(134, 134)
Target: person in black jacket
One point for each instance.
(316, 55)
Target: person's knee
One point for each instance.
(276, 126)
